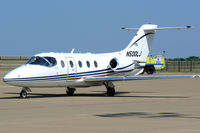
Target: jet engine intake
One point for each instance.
(113, 64)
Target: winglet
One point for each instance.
(189, 26)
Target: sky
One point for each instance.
(28, 27)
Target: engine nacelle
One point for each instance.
(122, 64)
(114, 63)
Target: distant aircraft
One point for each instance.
(73, 70)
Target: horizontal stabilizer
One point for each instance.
(161, 28)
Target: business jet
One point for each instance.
(72, 70)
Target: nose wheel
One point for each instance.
(23, 93)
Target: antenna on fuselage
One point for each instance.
(72, 51)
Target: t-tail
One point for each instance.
(139, 47)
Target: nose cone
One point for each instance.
(15, 76)
(6, 77)
(12, 75)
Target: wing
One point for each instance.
(118, 78)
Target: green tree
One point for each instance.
(193, 58)
(190, 58)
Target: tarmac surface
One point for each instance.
(142, 106)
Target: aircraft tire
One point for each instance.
(23, 94)
(110, 91)
(70, 91)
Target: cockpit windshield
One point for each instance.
(43, 61)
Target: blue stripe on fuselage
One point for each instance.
(69, 76)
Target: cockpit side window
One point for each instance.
(52, 60)
(43, 61)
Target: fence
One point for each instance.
(11, 62)
(182, 66)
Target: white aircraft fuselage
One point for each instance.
(69, 70)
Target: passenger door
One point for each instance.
(71, 65)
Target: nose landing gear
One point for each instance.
(23, 93)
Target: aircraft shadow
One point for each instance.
(149, 115)
(131, 92)
(44, 95)
(118, 94)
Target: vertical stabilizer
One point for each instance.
(139, 47)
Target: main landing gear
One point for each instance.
(70, 91)
(110, 88)
(23, 93)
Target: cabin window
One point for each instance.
(62, 63)
(71, 64)
(95, 64)
(88, 63)
(80, 64)
(43, 61)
